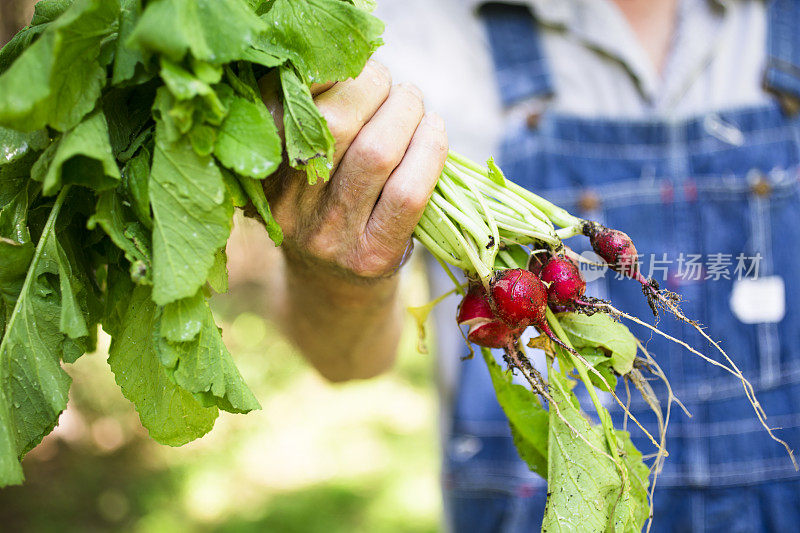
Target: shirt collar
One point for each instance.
(600, 25)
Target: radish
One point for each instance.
(616, 249)
(564, 280)
(485, 329)
(536, 262)
(518, 297)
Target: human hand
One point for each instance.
(356, 228)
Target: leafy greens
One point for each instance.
(130, 130)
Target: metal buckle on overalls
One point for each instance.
(724, 131)
(759, 183)
(789, 101)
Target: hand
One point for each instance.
(357, 227)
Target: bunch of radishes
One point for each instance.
(518, 297)
(509, 243)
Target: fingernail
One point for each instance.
(434, 121)
(413, 89)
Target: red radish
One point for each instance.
(518, 297)
(565, 283)
(484, 328)
(536, 262)
(616, 249)
(474, 305)
(493, 334)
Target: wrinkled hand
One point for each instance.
(357, 227)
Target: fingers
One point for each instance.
(375, 152)
(348, 105)
(318, 88)
(407, 190)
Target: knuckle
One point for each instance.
(374, 154)
(339, 124)
(409, 199)
(323, 247)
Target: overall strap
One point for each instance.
(521, 67)
(783, 51)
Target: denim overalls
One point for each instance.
(719, 186)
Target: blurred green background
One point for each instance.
(360, 456)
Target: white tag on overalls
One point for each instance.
(756, 301)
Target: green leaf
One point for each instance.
(126, 59)
(82, 156)
(263, 58)
(10, 467)
(602, 332)
(206, 72)
(128, 111)
(248, 140)
(586, 489)
(45, 12)
(136, 181)
(141, 141)
(189, 103)
(255, 191)
(128, 235)
(636, 509)
(33, 384)
(174, 118)
(601, 362)
(244, 84)
(57, 80)
(16, 144)
(16, 247)
(327, 40)
(202, 138)
(202, 366)
(181, 321)
(49, 10)
(234, 188)
(192, 218)
(171, 414)
(526, 416)
(184, 85)
(72, 322)
(309, 143)
(218, 276)
(215, 31)
(366, 5)
(495, 174)
(119, 288)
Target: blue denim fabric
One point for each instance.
(678, 187)
(782, 73)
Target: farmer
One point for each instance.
(674, 121)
